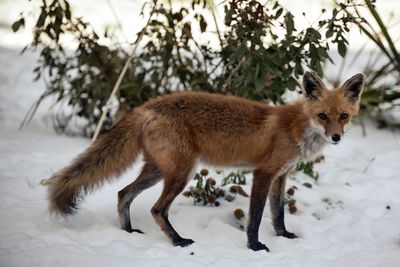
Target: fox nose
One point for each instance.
(336, 138)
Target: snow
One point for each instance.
(349, 218)
(342, 220)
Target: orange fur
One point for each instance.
(176, 130)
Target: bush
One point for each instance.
(251, 59)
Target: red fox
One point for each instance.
(175, 131)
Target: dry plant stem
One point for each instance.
(212, 8)
(128, 62)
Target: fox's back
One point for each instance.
(211, 112)
(219, 127)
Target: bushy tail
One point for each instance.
(105, 159)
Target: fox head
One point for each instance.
(330, 111)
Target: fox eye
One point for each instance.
(344, 116)
(322, 116)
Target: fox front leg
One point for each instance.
(276, 200)
(261, 183)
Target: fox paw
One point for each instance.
(131, 230)
(183, 242)
(287, 234)
(256, 246)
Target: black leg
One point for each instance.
(149, 176)
(259, 191)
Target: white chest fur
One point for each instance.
(313, 141)
(311, 144)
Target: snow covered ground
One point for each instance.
(350, 218)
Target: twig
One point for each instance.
(119, 24)
(363, 128)
(31, 112)
(107, 106)
(229, 79)
(369, 164)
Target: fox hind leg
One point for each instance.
(149, 176)
(276, 199)
(173, 185)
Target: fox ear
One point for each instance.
(353, 87)
(312, 85)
